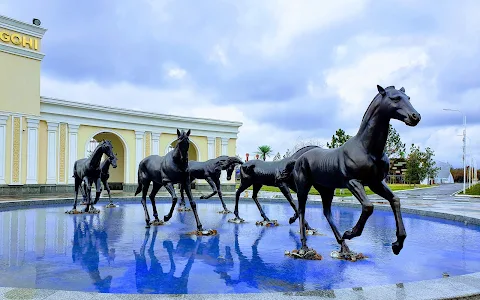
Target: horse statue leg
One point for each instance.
(220, 195)
(286, 193)
(266, 221)
(98, 187)
(145, 185)
(200, 231)
(171, 190)
(156, 187)
(78, 184)
(303, 187)
(182, 206)
(358, 190)
(243, 186)
(107, 188)
(384, 191)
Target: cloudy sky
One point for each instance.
(289, 70)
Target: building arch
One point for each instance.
(126, 152)
(194, 148)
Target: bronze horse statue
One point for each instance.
(87, 171)
(104, 176)
(358, 163)
(166, 171)
(270, 173)
(211, 171)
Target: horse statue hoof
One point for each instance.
(308, 254)
(92, 211)
(111, 205)
(312, 232)
(269, 223)
(225, 212)
(74, 212)
(236, 220)
(184, 208)
(350, 256)
(157, 223)
(204, 232)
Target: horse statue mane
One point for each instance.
(224, 161)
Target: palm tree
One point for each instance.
(264, 151)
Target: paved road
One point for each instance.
(441, 190)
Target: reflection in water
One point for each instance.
(154, 279)
(42, 247)
(87, 241)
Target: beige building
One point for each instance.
(42, 137)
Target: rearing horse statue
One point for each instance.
(87, 171)
(211, 171)
(357, 163)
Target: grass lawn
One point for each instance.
(474, 190)
(346, 192)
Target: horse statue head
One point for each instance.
(231, 163)
(183, 143)
(395, 104)
(107, 148)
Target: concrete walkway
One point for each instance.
(465, 209)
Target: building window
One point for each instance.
(91, 146)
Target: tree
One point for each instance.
(304, 143)
(264, 151)
(287, 154)
(414, 173)
(338, 139)
(394, 148)
(277, 156)
(429, 164)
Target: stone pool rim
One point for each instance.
(453, 287)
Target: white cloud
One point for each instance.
(218, 55)
(177, 73)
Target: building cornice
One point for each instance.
(130, 112)
(22, 27)
(56, 110)
(21, 51)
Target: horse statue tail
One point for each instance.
(140, 185)
(285, 173)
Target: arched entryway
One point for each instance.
(118, 175)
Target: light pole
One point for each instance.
(464, 145)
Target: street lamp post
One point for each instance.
(464, 145)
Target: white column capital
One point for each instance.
(3, 120)
(32, 122)
(73, 128)
(52, 126)
(155, 135)
(210, 139)
(139, 134)
(225, 141)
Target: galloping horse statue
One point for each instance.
(358, 163)
(104, 176)
(211, 171)
(166, 171)
(87, 171)
(270, 173)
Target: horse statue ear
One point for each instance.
(402, 89)
(188, 132)
(178, 133)
(381, 90)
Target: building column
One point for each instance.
(211, 147)
(155, 143)
(3, 141)
(32, 151)
(139, 152)
(52, 153)
(72, 150)
(224, 152)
